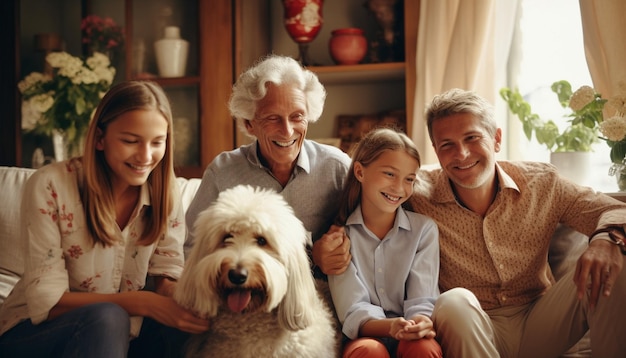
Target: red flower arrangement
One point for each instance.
(101, 34)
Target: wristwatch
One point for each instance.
(616, 234)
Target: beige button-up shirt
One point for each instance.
(502, 257)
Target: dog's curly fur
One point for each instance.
(249, 273)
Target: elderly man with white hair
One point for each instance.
(273, 102)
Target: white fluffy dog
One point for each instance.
(249, 272)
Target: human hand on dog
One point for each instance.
(597, 269)
(331, 253)
(418, 327)
(166, 311)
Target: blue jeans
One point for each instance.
(97, 330)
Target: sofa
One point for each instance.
(563, 253)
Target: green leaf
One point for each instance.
(528, 130)
(618, 152)
(582, 130)
(563, 90)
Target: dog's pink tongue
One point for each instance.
(238, 300)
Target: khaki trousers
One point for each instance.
(547, 327)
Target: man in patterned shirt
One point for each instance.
(496, 221)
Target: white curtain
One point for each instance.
(464, 44)
(604, 32)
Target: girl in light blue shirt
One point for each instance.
(385, 298)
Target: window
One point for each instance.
(550, 49)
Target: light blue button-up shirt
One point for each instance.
(393, 277)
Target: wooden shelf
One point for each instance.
(371, 72)
(189, 171)
(170, 81)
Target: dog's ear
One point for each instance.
(296, 311)
(195, 291)
(196, 288)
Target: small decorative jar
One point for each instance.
(347, 46)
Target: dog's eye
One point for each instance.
(226, 237)
(261, 241)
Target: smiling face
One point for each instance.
(386, 183)
(280, 126)
(133, 145)
(466, 150)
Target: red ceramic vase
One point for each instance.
(303, 19)
(347, 46)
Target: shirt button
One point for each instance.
(503, 298)
(501, 266)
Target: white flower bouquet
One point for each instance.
(65, 100)
(613, 128)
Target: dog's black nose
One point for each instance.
(238, 276)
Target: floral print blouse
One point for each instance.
(60, 256)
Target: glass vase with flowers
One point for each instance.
(613, 128)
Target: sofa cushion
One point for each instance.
(188, 188)
(12, 181)
(566, 247)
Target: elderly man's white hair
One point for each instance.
(252, 87)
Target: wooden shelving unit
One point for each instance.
(352, 89)
(198, 97)
(230, 36)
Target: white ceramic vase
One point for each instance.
(575, 166)
(171, 53)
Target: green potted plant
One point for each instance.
(570, 149)
(592, 118)
(582, 131)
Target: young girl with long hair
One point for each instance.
(94, 227)
(386, 296)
